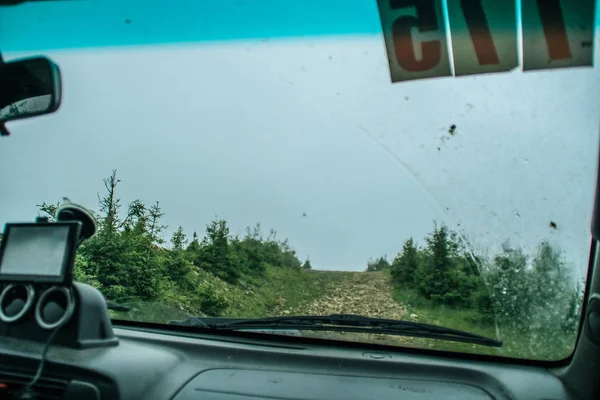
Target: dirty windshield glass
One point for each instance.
(422, 163)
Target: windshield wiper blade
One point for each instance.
(117, 307)
(348, 323)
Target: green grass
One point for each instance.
(283, 291)
(441, 315)
(279, 291)
(516, 343)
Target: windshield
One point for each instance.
(262, 158)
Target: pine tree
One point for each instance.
(135, 212)
(110, 204)
(194, 245)
(178, 240)
(154, 225)
(215, 255)
(252, 250)
(378, 264)
(510, 286)
(405, 264)
(433, 275)
(306, 264)
(552, 286)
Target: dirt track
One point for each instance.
(368, 294)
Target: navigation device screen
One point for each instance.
(35, 250)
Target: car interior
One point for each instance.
(60, 340)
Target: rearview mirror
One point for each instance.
(28, 88)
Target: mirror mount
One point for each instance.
(28, 88)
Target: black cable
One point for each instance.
(25, 392)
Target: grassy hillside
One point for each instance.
(308, 292)
(516, 342)
(280, 291)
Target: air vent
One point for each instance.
(15, 302)
(54, 308)
(12, 382)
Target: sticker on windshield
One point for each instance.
(415, 38)
(484, 36)
(557, 33)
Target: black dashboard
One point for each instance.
(152, 364)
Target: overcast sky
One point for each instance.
(266, 131)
